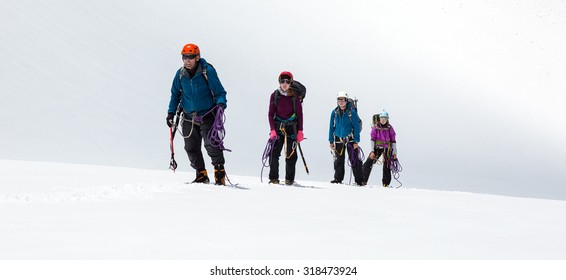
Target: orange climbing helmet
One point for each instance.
(190, 49)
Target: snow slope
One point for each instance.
(89, 212)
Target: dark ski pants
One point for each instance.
(340, 151)
(368, 165)
(193, 143)
(290, 157)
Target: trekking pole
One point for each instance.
(303, 157)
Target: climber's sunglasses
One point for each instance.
(189, 56)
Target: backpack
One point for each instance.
(300, 91)
(353, 106)
(375, 119)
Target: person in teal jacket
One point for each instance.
(344, 136)
(195, 92)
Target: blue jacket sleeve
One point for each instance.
(331, 128)
(175, 94)
(216, 86)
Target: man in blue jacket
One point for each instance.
(195, 92)
(344, 136)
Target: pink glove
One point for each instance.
(300, 136)
(272, 135)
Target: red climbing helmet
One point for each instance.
(285, 74)
(189, 49)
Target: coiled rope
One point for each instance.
(216, 133)
(267, 154)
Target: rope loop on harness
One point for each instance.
(293, 147)
(395, 168)
(355, 156)
(267, 155)
(216, 133)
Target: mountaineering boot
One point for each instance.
(202, 177)
(219, 174)
(385, 185)
(289, 182)
(335, 181)
(274, 181)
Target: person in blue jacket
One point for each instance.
(196, 91)
(344, 136)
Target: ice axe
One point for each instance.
(303, 157)
(172, 132)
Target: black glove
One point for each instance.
(170, 119)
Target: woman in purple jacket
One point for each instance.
(382, 142)
(286, 123)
